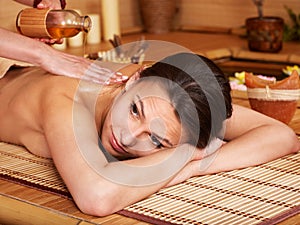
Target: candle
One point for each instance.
(94, 35)
(76, 41)
(110, 17)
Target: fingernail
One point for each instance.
(41, 5)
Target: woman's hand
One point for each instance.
(61, 63)
(191, 169)
(21, 48)
(200, 162)
(44, 4)
(50, 4)
(242, 149)
(131, 71)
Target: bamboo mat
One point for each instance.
(262, 195)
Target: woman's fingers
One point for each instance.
(52, 4)
(50, 41)
(102, 75)
(198, 154)
(61, 63)
(118, 77)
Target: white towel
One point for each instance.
(5, 64)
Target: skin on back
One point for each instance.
(21, 114)
(37, 113)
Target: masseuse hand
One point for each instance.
(131, 71)
(50, 4)
(60, 63)
(18, 47)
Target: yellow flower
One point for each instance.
(289, 69)
(240, 76)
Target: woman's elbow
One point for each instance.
(97, 209)
(291, 140)
(98, 203)
(296, 145)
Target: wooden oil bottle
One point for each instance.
(55, 24)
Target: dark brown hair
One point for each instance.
(206, 86)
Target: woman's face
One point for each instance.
(141, 121)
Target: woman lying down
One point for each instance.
(117, 144)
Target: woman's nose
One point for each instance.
(127, 139)
(134, 134)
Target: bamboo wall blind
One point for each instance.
(191, 13)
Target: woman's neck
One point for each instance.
(104, 102)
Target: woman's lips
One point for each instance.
(117, 147)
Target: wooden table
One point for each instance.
(24, 205)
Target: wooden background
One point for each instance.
(191, 14)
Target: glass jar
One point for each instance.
(47, 23)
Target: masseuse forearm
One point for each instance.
(21, 48)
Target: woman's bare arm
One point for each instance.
(21, 48)
(101, 188)
(253, 139)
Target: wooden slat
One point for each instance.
(24, 205)
(14, 211)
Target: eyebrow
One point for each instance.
(141, 105)
(143, 113)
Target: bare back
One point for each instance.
(22, 94)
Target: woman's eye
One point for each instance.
(134, 110)
(155, 141)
